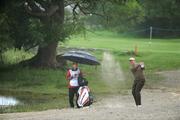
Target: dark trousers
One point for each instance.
(72, 92)
(136, 90)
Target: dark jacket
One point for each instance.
(137, 71)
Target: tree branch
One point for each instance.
(49, 13)
(30, 47)
(74, 11)
(88, 12)
(68, 2)
(106, 16)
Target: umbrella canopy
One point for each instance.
(81, 57)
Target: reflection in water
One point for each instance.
(8, 101)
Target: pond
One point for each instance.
(28, 101)
(8, 101)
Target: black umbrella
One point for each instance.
(81, 57)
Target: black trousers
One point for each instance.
(136, 90)
(72, 92)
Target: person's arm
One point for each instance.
(81, 74)
(135, 67)
(68, 75)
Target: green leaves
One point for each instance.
(5, 39)
(120, 15)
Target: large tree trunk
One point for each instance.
(46, 56)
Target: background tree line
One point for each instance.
(26, 24)
(133, 15)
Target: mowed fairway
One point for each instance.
(114, 41)
(158, 54)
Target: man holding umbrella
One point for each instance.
(73, 74)
(72, 77)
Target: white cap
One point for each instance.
(131, 59)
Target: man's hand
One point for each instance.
(70, 78)
(142, 65)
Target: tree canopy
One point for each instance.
(27, 24)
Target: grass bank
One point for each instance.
(40, 89)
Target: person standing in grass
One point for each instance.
(139, 80)
(72, 77)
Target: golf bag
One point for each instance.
(84, 96)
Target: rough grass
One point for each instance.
(41, 89)
(14, 56)
(46, 88)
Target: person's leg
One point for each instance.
(71, 97)
(77, 95)
(133, 91)
(138, 89)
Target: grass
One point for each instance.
(158, 54)
(115, 42)
(42, 89)
(161, 54)
(14, 56)
(38, 89)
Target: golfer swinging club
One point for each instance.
(137, 70)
